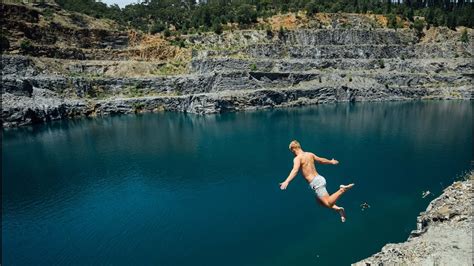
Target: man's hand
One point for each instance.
(334, 161)
(283, 185)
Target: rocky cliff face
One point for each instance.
(443, 235)
(87, 68)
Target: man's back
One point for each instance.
(308, 168)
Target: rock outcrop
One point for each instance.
(443, 235)
(62, 65)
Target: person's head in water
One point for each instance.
(295, 147)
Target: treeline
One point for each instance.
(185, 16)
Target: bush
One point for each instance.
(178, 42)
(381, 63)
(157, 27)
(311, 8)
(138, 107)
(409, 13)
(418, 25)
(464, 37)
(451, 21)
(135, 91)
(4, 43)
(26, 45)
(269, 33)
(78, 20)
(392, 21)
(246, 14)
(167, 33)
(281, 32)
(216, 26)
(253, 67)
(48, 13)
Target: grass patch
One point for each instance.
(134, 91)
(172, 68)
(96, 93)
(253, 67)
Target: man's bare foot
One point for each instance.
(341, 212)
(346, 187)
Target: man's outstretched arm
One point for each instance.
(293, 173)
(324, 160)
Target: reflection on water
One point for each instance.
(181, 189)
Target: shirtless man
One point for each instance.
(305, 161)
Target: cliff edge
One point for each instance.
(443, 235)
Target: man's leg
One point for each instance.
(338, 209)
(341, 212)
(330, 200)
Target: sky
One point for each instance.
(121, 3)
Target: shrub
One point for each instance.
(157, 27)
(135, 91)
(281, 32)
(381, 63)
(178, 42)
(269, 33)
(392, 21)
(253, 67)
(418, 25)
(26, 45)
(311, 8)
(167, 33)
(217, 27)
(78, 20)
(464, 37)
(138, 107)
(48, 14)
(246, 14)
(4, 43)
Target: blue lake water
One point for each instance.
(181, 189)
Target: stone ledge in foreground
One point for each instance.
(443, 235)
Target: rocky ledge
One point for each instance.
(443, 235)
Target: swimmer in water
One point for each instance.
(306, 162)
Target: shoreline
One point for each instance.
(132, 111)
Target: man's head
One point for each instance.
(294, 146)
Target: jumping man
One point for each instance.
(306, 161)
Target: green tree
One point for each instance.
(392, 21)
(157, 27)
(216, 26)
(311, 8)
(408, 13)
(451, 21)
(418, 25)
(246, 14)
(186, 14)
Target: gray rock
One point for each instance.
(443, 235)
